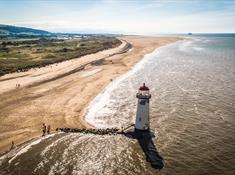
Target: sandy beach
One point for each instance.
(59, 94)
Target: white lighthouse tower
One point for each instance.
(142, 114)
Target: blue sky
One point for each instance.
(123, 16)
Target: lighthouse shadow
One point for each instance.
(146, 143)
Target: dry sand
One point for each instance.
(59, 94)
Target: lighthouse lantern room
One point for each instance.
(142, 114)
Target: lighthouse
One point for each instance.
(142, 114)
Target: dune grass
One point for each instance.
(22, 55)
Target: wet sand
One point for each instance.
(59, 94)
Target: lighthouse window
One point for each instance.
(140, 119)
(142, 102)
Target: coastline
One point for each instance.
(100, 101)
(62, 101)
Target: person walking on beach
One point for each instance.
(48, 129)
(12, 145)
(17, 85)
(43, 129)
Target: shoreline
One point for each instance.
(64, 101)
(105, 93)
(120, 77)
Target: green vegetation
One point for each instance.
(23, 54)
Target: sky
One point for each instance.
(121, 16)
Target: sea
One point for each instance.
(192, 118)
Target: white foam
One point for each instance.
(26, 148)
(102, 99)
(191, 44)
(51, 147)
(55, 143)
(198, 48)
(60, 165)
(184, 46)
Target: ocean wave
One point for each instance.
(198, 48)
(28, 147)
(99, 106)
(101, 100)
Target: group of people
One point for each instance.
(17, 85)
(46, 129)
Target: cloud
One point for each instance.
(139, 17)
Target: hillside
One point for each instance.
(14, 30)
